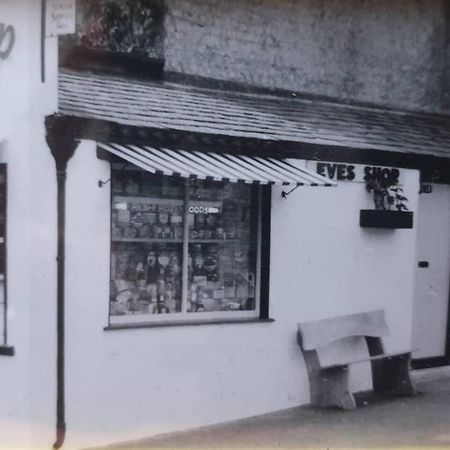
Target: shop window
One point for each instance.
(184, 250)
(118, 35)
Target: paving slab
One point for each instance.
(402, 422)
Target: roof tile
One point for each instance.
(181, 107)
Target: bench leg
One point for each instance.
(330, 388)
(391, 375)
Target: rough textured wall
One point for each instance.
(382, 51)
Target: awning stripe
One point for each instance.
(264, 167)
(215, 166)
(231, 175)
(255, 168)
(129, 156)
(167, 159)
(201, 163)
(306, 173)
(165, 166)
(249, 174)
(287, 167)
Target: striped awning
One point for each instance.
(215, 166)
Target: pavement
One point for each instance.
(402, 422)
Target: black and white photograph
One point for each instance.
(224, 224)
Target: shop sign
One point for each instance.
(148, 205)
(7, 40)
(145, 205)
(355, 172)
(60, 17)
(205, 208)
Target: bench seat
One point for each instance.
(369, 358)
(330, 346)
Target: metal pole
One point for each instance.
(184, 273)
(60, 373)
(43, 31)
(62, 146)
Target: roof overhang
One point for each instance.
(113, 109)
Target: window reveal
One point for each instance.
(182, 249)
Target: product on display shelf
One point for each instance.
(117, 186)
(145, 281)
(166, 232)
(211, 226)
(229, 282)
(200, 226)
(211, 268)
(131, 187)
(160, 299)
(198, 268)
(150, 218)
(116, 230)
(152, 274)
(130, 231)
(158, 228)
(123, 215)
(176, 222)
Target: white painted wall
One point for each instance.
(344, 268)
(24, 101)
(128, 384)
(133, 383)
(14, 91)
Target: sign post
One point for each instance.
(58, 17)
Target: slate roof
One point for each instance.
(180, 107)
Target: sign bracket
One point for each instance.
(285, 194)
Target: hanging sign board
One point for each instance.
(60, 17)
(354, 172)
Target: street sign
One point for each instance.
(60, 17)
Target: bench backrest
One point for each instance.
(320, 333)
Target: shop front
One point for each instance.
(156, 282)
(189, 234)
(214, 227)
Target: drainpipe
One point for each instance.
(62, 146)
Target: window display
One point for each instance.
(121, 26)
(182, 249)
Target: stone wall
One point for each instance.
(376, 51)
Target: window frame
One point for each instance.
(76, 55)
(262, 266)
(5, 349)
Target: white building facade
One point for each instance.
(220, 344)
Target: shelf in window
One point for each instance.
(175, 241)
(213, 241)
(149, 240)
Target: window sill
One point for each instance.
(183, 323)
(6, 351)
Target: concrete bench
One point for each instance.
(331, 345)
